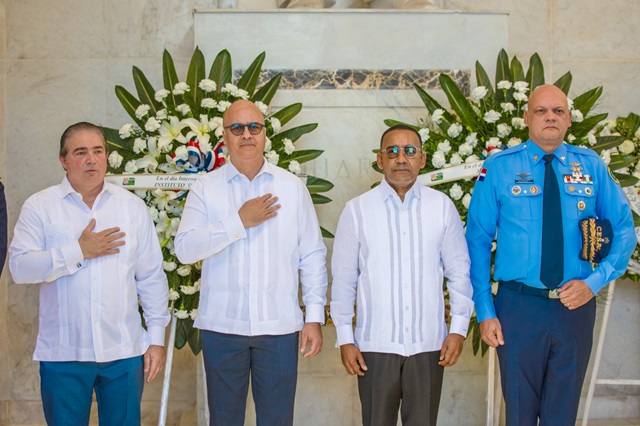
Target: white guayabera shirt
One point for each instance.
(393, 255)
(250, 277)
(89, 307)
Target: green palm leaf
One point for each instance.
(266, 92)
(433, 105)
(287, 113)
(503, 71)
(169, 77)
(607, 142)
(129, 103)
(316, 184)
(482, 78)
(145, 90)
(517, 71)
(581, 129)
(320, 199)
(535, 73)
(458, 101)
(325, 233)
(295, 132)
(304, 155)
(564, 82)
(587, 100)
(195, 74)
(390, 122)
(249, 79)
(221, 72)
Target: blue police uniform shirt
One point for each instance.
(507, 200)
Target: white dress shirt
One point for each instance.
(250, 276)
(89, 307)
(394, 255)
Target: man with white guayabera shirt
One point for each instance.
(93, 248)
(393, 247)
(254, 226)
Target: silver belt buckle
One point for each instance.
(553, 294)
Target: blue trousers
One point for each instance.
(544, 359)
(67, 389)
(273, 364)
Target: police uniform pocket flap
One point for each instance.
(524, 190)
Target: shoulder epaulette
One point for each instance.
(581, 150)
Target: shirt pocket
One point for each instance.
(57, 234)
(579, 201)
(525, 201)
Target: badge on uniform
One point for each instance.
(524, 178)
(482, 174)
(597, 235)
(576, 175)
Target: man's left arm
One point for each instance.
(455, 259)
(313, 273)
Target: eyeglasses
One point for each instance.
(238, 129)
(392, 152)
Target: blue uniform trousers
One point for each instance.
(67, 388)
(544, 359)
(273, 364)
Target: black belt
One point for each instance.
(525, 289)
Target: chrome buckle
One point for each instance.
(553, 294)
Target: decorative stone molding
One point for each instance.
(305, 4)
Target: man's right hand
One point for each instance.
(352, 359)
(491, 332)
(258, 210)
(103, 243)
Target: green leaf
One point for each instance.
(587, 100)
(503, 72)
(625, 179)
(316, 184)
(249, 79)
(287, 113)
(636, 219)
(295, 133)
(181, 334)
(145, 90)
(221, 72)
(458, 101)
(169, 77)
(320, 199)
(634, 122)
(268, 90)
(482, 78)
(607, 142)
(195, 74)
(564, 83)
(112, 136)
(390, 122)
(535, 73)
(581, 129)
(517, 71)
(194, 340)
(620, 161)
(325, 233)
(129, 103)
(304, 155)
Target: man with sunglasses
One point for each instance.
(393, 247)
(254, 227)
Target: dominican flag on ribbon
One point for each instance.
(482, 174)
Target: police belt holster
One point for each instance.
(532, 291)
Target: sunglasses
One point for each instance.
(238, 129)
(392, 152)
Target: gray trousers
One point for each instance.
(392, 378)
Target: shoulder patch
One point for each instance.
(482, 174)
(612, 176)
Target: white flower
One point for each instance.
(273, 157)
(152, 125)
(130, 167)
(454, 130)
(207, 85)
(161, 94)
(514, 142)
(504, 85)
(456, 192)
(162, 114)
(153, 212)
(223, 105)
(455, 159)
(188, 289)
(115, 160)
(181, 88)
(200, 129)
(437, 115)
(570, 104)
(173, 295)
(183, 109)
(424, 134)
(267, 145)
(288, 145)
(125, 131)
(518, 123)
(493, 142)
(444, 146)
(479, 93)
(592, 139)
(465, 149)
(171, 130)
(520, 97)
(264, 108)
(606, 157)
(294, 167)
(208, 103)
(142, 110)
(181, 314)
(139, 145)
(234, 91)
(183, 271)
(472, 139)
(141, 193)
(570, 138)
(577, 116)
(181, 153)
(521, 86)
(504, 130)
(438, 160)
(198, 284)
(637, 134)
(491, 116)
(275, 123)
(627, 147)
(466, 200)
(193, 314)
(507, 107)
(169, 266)
(471, 159)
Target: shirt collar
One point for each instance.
(231, 172)
(536, 153)
(66, 188)
(387, 191)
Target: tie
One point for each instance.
(552, 256)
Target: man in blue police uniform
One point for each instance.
(541, 321)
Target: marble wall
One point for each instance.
(59, 63)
